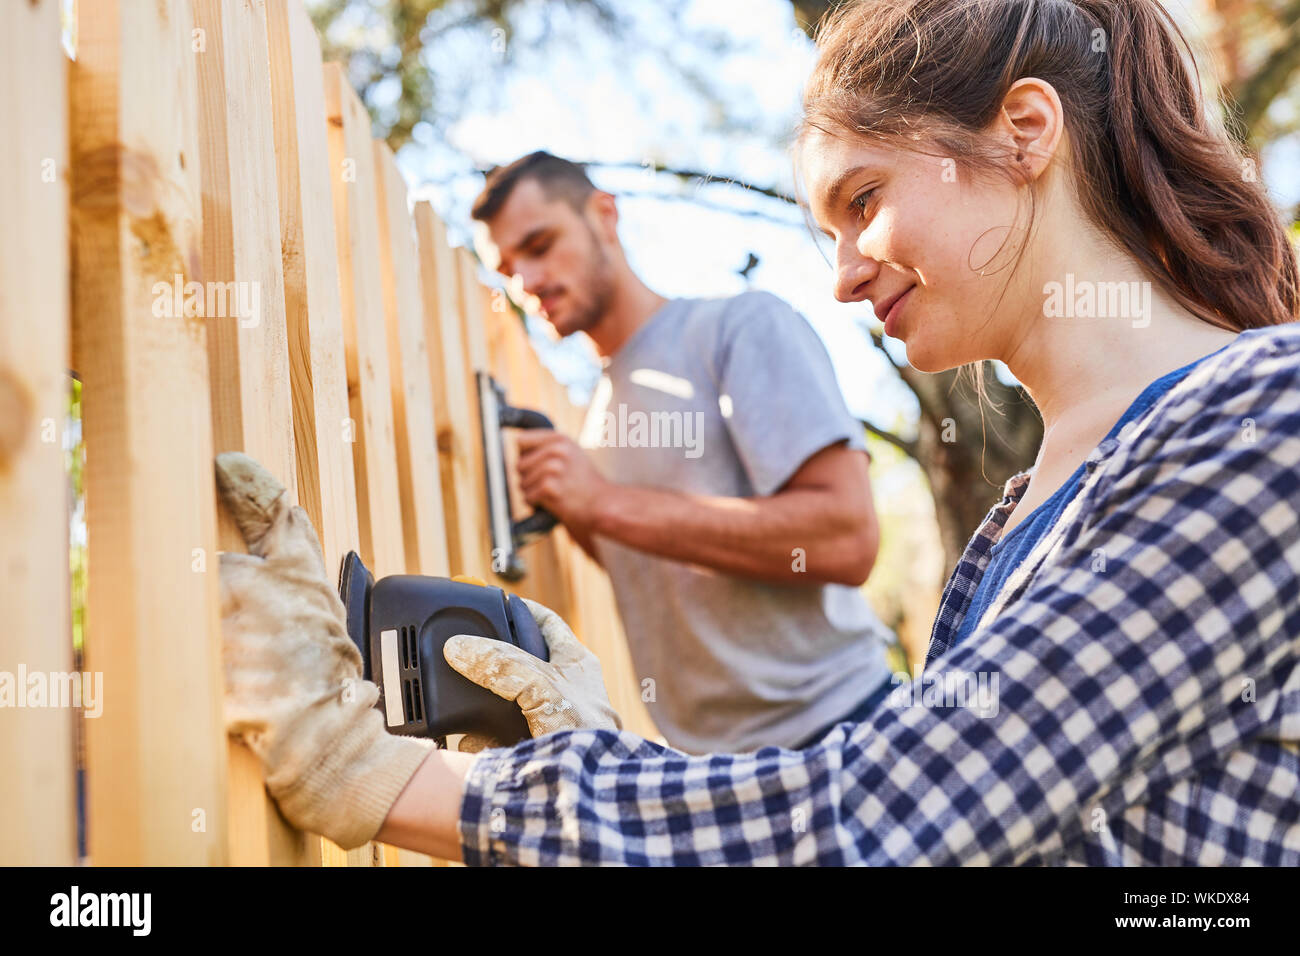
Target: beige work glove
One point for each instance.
(565, 693)
(294, 691)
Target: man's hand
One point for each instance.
(294, 691)
(565, 693)
(556, 474)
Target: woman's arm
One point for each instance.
(427, 813)
(1109, 685)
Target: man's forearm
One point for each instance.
(800, 536)
(586, 542)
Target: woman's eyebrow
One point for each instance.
(837, 187)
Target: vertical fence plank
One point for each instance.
(365, 342)
(412, 390)
(408, 353)
(474, 357)
(352, 175)
(318, 373)
(156, 759)
(37, 808)
(247, 342)
(453, 401)
(326, 483)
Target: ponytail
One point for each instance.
(1199, 215)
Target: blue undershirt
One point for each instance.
(1014, 546)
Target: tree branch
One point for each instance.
(1256, 93)
(700, 176)
(908, 447)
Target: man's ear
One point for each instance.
(1032, 121)
(603, 209)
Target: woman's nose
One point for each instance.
(852, 273)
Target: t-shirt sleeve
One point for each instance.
(777, 391)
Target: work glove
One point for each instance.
(565, 693)
(294, 691)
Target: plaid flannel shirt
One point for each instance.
(1147, 706)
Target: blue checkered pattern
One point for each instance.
(1147, 707)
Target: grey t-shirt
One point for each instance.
(729, 397)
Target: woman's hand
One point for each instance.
(565, 693)
(294, 691)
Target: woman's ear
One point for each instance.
(1032, 122)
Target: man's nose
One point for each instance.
(532, 278)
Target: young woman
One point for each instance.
(1036, 182)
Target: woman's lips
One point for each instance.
(891, 318)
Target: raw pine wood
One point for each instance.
(454, 403)
(516, 366)
(247, 354)
(156, 773)
(425, 534)
(37, 799)
(356, 224)
(408, 354)
(313, 310)
(357, 386)
(478, 548)
(352, 176)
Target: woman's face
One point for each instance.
(913, 225)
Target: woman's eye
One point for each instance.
(859, 201)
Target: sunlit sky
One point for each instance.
(578, 93)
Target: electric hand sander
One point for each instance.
(508, 535)
(399, 623)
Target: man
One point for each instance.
(720, 480)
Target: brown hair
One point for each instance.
(1154, 170)
(557, 177)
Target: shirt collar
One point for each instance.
(1016, 485)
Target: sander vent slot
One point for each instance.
(417, 709)
(411, 696)
(410, 647)
(414, 703)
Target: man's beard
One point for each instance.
(597, 295)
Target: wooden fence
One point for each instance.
(205, 142)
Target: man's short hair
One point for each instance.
(559, 179)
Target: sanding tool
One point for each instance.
(508, 535)
(400, 622)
